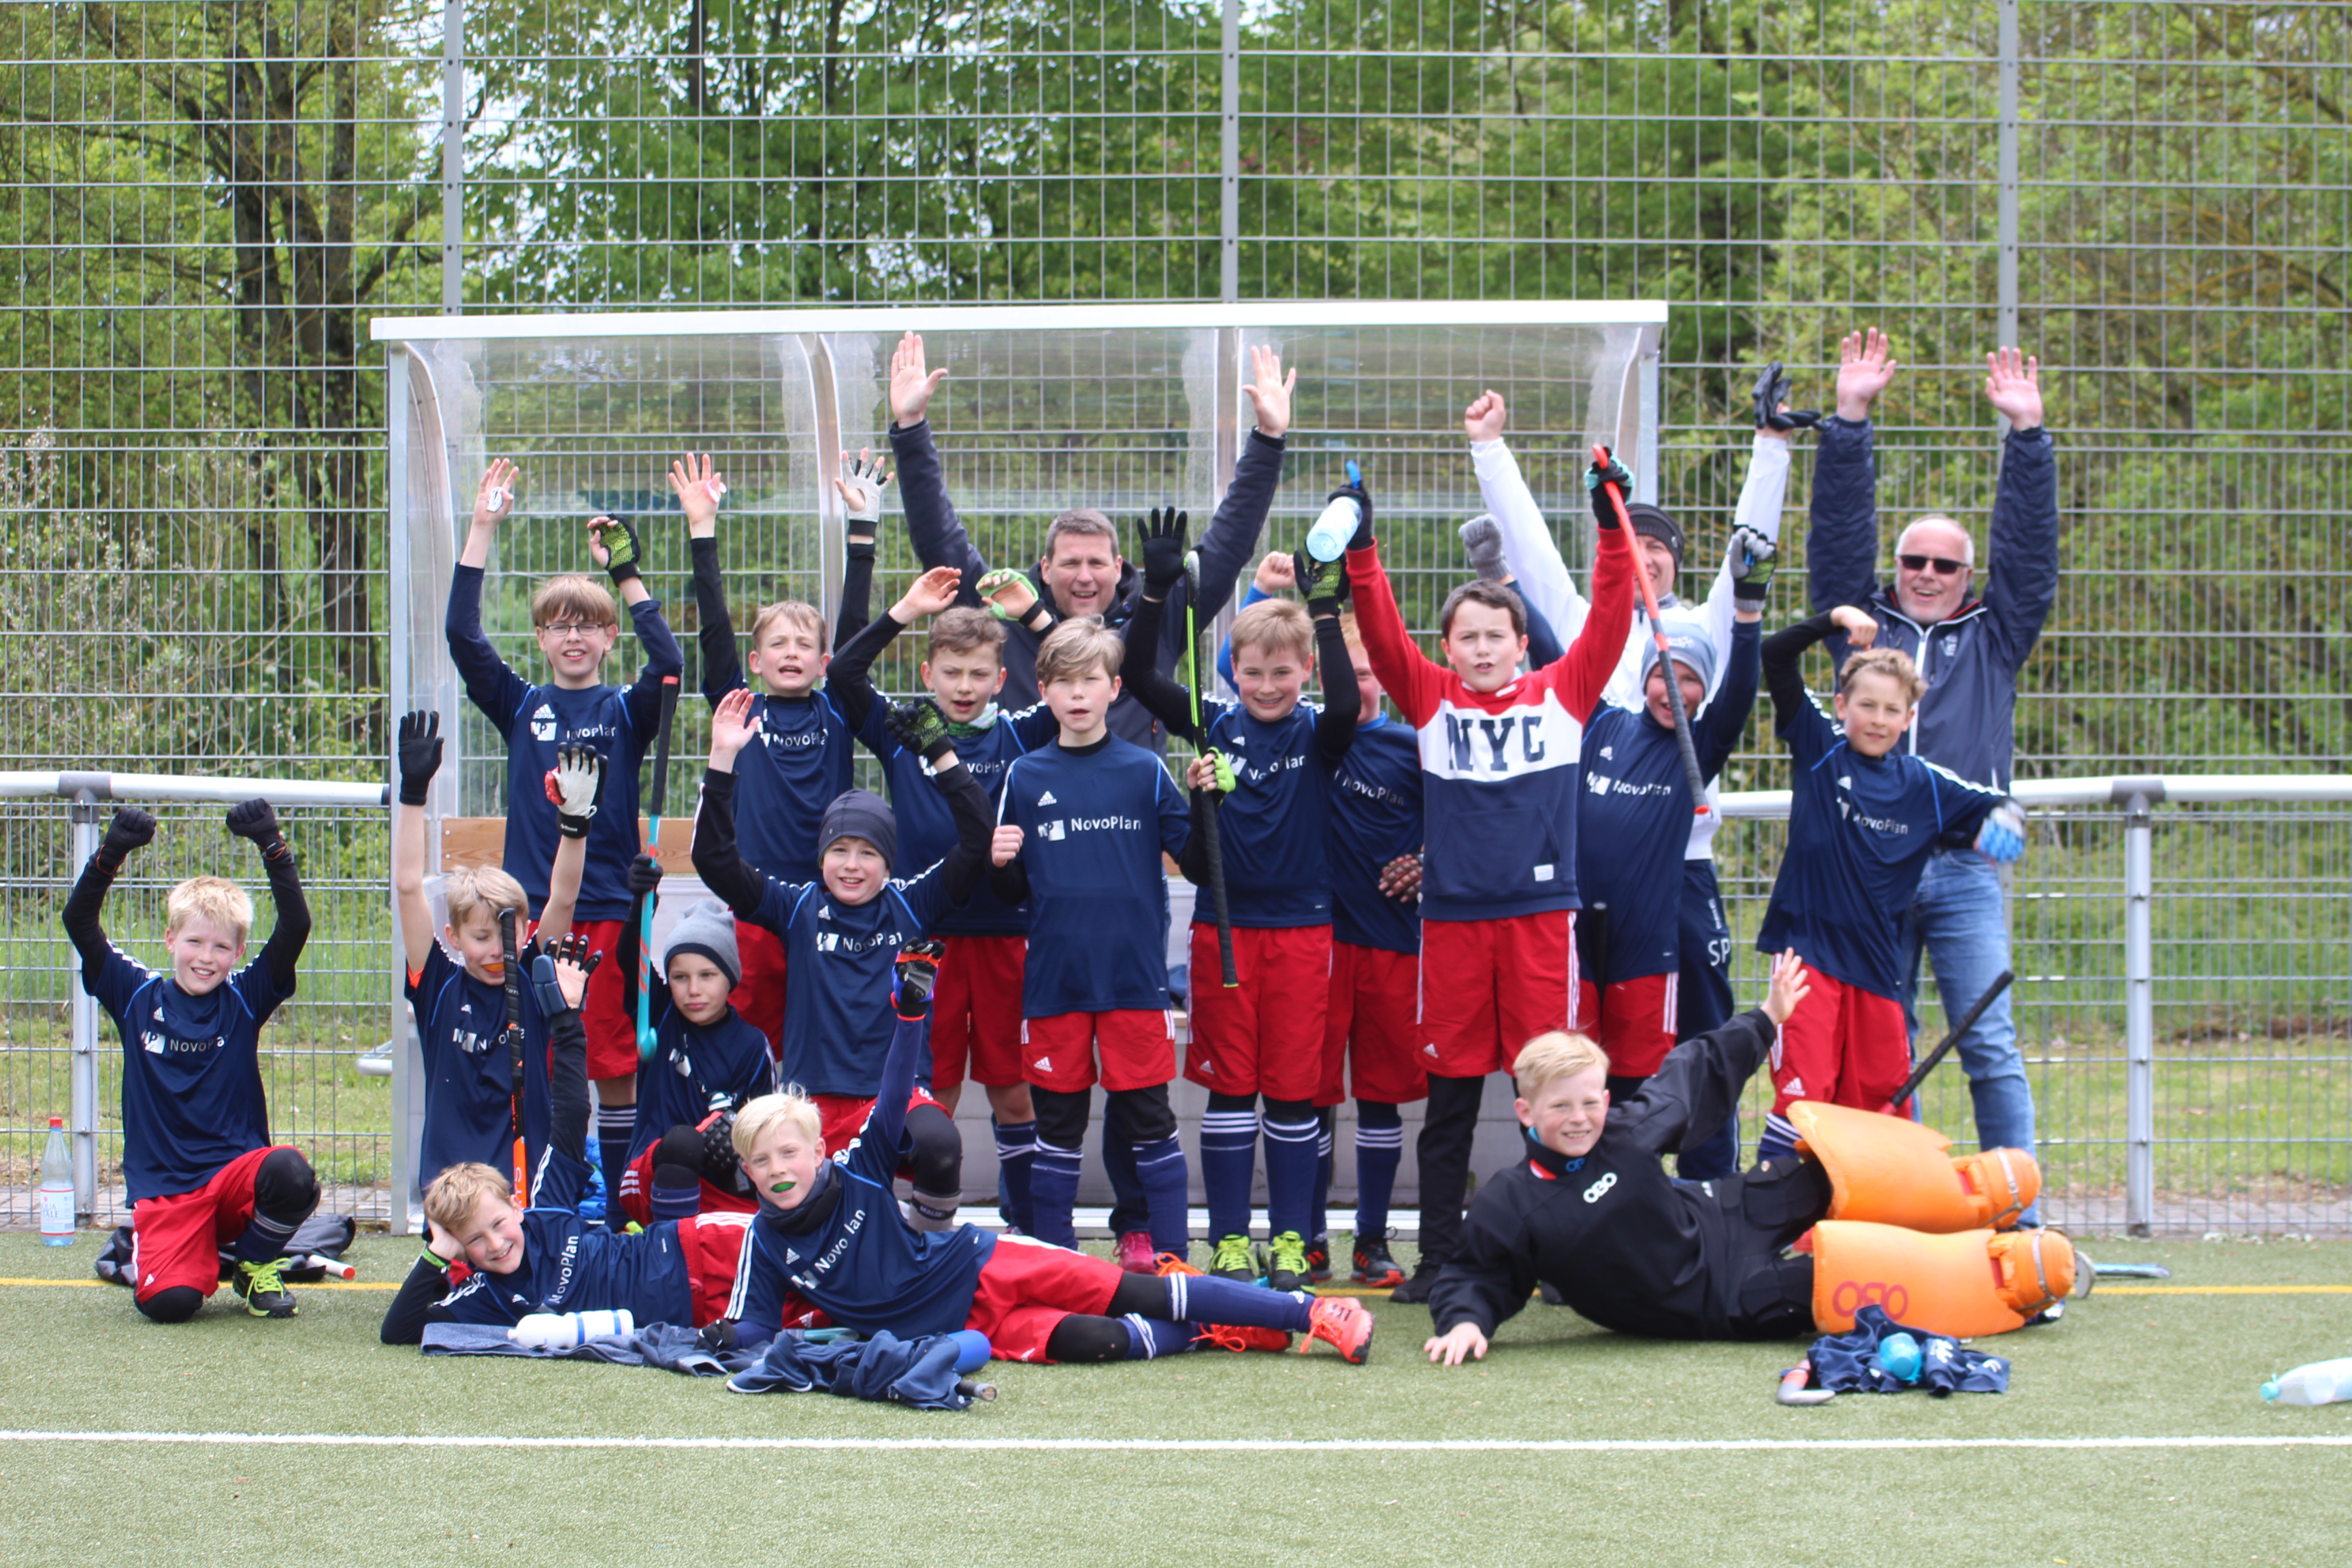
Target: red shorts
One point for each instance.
(845, 1114)
(177, 1240)
(1843, 1045)
(976, 1012)
(1138, 1049)
(1372, 1017)
(637, 1193)
(612, 1032)
(1263, 1037)
(712, 1245)
(1027, 1287)
(759, 997)
(1498, 983)
(1633, 1021)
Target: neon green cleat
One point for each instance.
(1232, 1260)
(1287, 1267)
(264, 1289)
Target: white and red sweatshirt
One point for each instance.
(1501, 769)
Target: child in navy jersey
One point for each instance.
(1266, 1035)
(1095, 813)
(1864, 817)
(546, 1258)
(203, 1175)
(804, 756)
(828, 1231)
(1499, 756)
(573, 620)
(841, 931)
(707, 1061)
(457, 986)
(976, 1016)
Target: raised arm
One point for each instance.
(1231, 538)
(1841, 536)
(716, 858)
(937, 532)
(1139, 671)
(1411, 681)
(922, 729)
(1542, 576)
(1599, 643)
(1343, 700)
(2024, 543)
(490, 683)
(1782, 657)
(1715, 732)
(1759, 513)
(860, 484)
(256, 823)
(418, 752)
(1700, 1082)
(849, 678)
(663, 662)
(130, 829)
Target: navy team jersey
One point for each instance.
(840, 957)
(1634, 821)
(800, 759)
(1093, 822)
(1271, 827)
(192, 1095)
(856, 1258)
(469, 1071)
(927, 829)
(1375, 817)
(572, 1266)
(618, 723)
(1860, 832)
(696, 1069)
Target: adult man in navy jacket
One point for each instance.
(1968, 646)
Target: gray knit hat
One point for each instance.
(860, 814)
(709, 930)
(1691, 645)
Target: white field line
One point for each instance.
(1184, 1445)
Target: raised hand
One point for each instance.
(1750, 562)
(1010, 596)
(1865, 365)
(919, 974)
(920, 728)
(575, 785)
(1483, 419)
(1319, 582)
(911, 384)
(1598, 479)
(732, 725)
(929, 595)
(1275, 574)
(1004, 844)
(494, 497)
(645, 874)
(419, 751)
(131, 829)
(1773, 414)
(1164, 533)
(1789, 987)
(1269, 393)
(1860, 630)
(612, 544)
(2013, 387)
(860, 484)
(254, 821)
(700, 489)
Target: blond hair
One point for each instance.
(473, 888)
(1887, 661)
(214, 899)
(1074, 649)
(572, 597)
(965, 630)
(792, 613)
(457, 1192)
(1275, 625)
(1556, 1054)
(766, 1113)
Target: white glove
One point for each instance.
(574, 784)
(861, 478)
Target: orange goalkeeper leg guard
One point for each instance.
(1892, 1171)
(1969, 1283)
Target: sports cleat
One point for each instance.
(1343, 1323)
(264, 1289)
(1319, 1260)
(1234, 1337)
(1232, 1260)
(1287, 1267)
(1374, 1265)
(1134, 1253)
(1415, 1290)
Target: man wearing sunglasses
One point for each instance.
(1969, 638)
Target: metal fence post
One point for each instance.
(2140, 1016)
(84, 1039)
(2007, 132)
(453, 157)
(1229, 156)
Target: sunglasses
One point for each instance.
(1944, 564)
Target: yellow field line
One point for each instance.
(319, 1285)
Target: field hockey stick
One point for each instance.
(1658, 634)
(1209, 818)
(512, 983)
(654, 798)
(1942, 1047)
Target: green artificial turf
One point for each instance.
(75, 1359)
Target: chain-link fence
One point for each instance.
(203, 204)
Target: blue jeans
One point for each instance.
(1960, 919)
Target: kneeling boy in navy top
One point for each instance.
(829, 1230)
(203, 1175)
(546, 1258)
(1273, 799)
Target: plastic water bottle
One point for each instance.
(2321, 1383)
(1899, 1357)
(57, 1188)
(1327, 539)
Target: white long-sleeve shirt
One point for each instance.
(1534, 557)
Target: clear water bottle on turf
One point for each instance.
(56, 1187)
(2321, 1383)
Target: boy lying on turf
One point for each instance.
(547, 1259)
(1592, 1212)
(830, 1229)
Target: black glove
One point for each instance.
(130, 829)
(719, 1160)
(1773, 389)
(717, 1339)
(920, 728)
(1163, 550)
(645, 874)
(578, 951)
(1597, 479)
(1751, 562)
(419, 753)
(621, 552)
(253, 819)
(919, 971)
(1322, 584)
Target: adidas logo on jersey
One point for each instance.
(543, 724)
(1429, 1051)
(1047, 799)
(1608, 753)
(1044, 1063)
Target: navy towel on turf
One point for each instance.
(1848, 1362)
